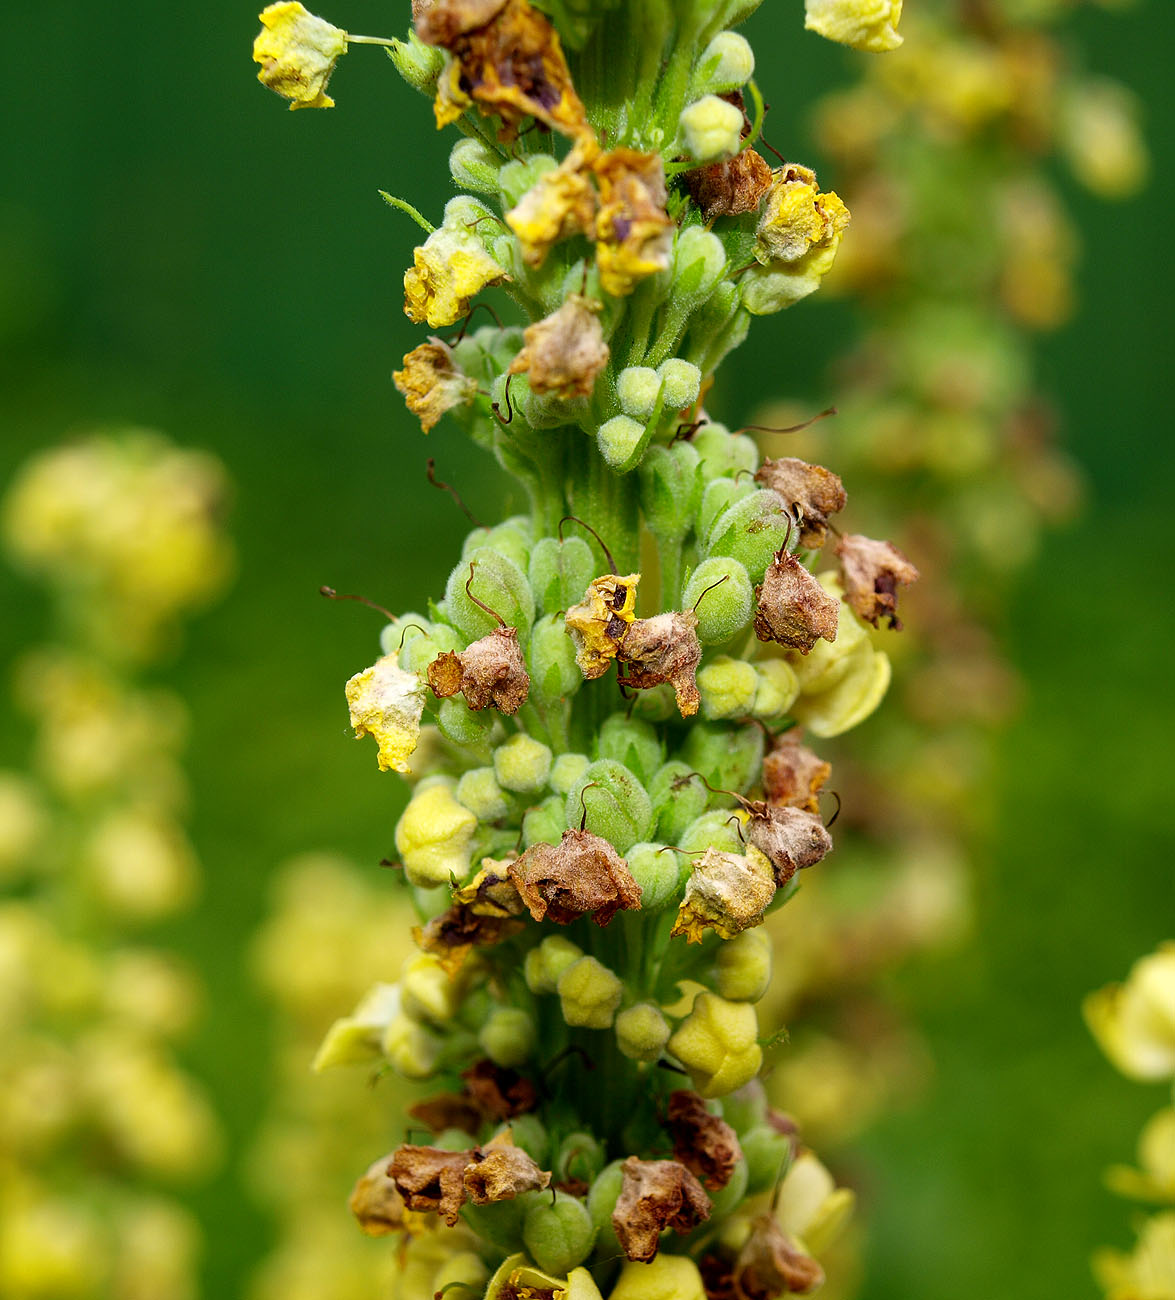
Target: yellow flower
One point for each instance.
(589, 994)
(561, 203)
(1155, 1181)
(1148, 1273)
(387, 702)
(718, 1044)
(519, 1279)
(297, 53)
(598, 623)
(448, 269)
(634, 235)
(810, 1205)
(432, 383)
(433, 837)
(667, 1277)
(726, 892)
(1134, 1023)
(864, 24)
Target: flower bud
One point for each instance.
(511, 538)
(619, 440)
(522, 764)
(474, 166)
(631, 742)
(717, 497)
(498, 583)
(480, 792)
(776, 689)
(678, 797)
(666, 1277)
(567, 770)
(716, 829)
(546, 823)
(461, 725)
(654, 867)
(554, 673)
(617, 806)
(428, 991)
(718, 1044)
(728, 758)
(723, 452)
(699, 260)
(412, 1050)
(726, 63)
(637, 390)
(433, 836)
(711, 129)
(671, 489)
(545, 964)
(558, 1235)
(682, 379)
(752, 531)
(642, 1032)
(580, 1156)
(744, 966)
(729, 1197)
(559, 572)
(728, 687)
(419, 64)
(766, 1151)
(745, 1109)
(529, 1133)
(395, 635)
(589, 994)
(726, 609)
(508, 1037)
(420, 649)
(601, 1201)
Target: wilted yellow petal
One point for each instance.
(386, 702)
(297, 53)
(448, 269)
(864, 24)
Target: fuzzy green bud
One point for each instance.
(545, 964)
(601, 1201)
(710, 129)
(767, 1152)
(671, 490)
(726, 63)
(499, 584)
(566, 770)
(637, 390)
(522, 764)
(717, 497)
(508, 1036)
(699, 260)
(554, 674)
(744, 966)
(395, 635)
(619, 439)
(642, 1032)
(654, 867)
(727, 1200)
(714, 829)
(746, 1108)
(530, 1133)
(433, 837)
(419, 64)
(617, 806)
(776, 689)
(474, 166)
(589, 994)
(729, 758)
(559, 572)
(512, 538)
(463, 726)
(752, 531)
(420, 649)
(726, 609)
(546, 823)
(580, 1155)
(480, 792)
(718, 1044)
(631, 742)
(678, 797)
(558, 1235)
(727, 687)
(723, 452)
(682, 381)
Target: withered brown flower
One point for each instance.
(490, 671)
(706, 1144)
(665, 648)
(581, 875)
(500, 1171)
(634, 236)
(432, 382)
(770, 1264)
(498, 1092)
(726, 892)
(730, 188)
(793, 609)
(600, 622)
(376, 1204)
(448, 1110)
(430, 1179)
(793, 775)
(453, 934)
(872, 572)
(655, 1195)
(811, 492)
(789, 838)
(564, 352)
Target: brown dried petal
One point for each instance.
(448, 1110)
(451, 935)
(770, 1264)
(810, 491)
(565, 351)
(717, 1277)
(375, 1202)
(726, 892)
(495, 672)
(728, 189)
(491, 892)
(582, 874)
(500, 1093)
(665, 648)
(790, 838)
(500, 1171)
(440, 22)
(432, 382)
(793, 774)
(794, 610)
(634, 234)
(704, 1143)
(445, 674)
(431, 1179)
(655, 1195)
(872, 572)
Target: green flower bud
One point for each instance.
(546, 823)
(581, 1156)
(728, 687)
(717, 497)
(723, 452)
(728, 1199)
(396, 634)
(498, 583)
(744, 966)
(558, 1236)
(554, 674)
(419, 64)
(522, 764)
(559, 572)
(655, 868)
(777, 688)
(745, 1109)
(545, 964)
(619, 439)
(458, 723)
(518, 176)
(420, 649)
(718, 1044)
(656, 705)
(601, 1201)
(699, 260)
(729, 758)
(488, 351)
(530, 1133)
(631, 742)
(508, 1037)
(726, 610)
(480, 792)
(474, 166)
(637, 390)
(511, 538)
(715, 829)
(567, 770)
(726, 63)
(752, 531)
(678, 798)
(710, 129)
(642, 1032)
(434, 835)
(683, 381)
(767, 1152)
(616, 804)
(671, 490)
(589, 994)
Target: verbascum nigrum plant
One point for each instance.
(605, 714)
(100, 1123)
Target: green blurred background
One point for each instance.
(178, 252)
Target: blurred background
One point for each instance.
(178, 253)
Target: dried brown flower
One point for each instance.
(561, 203)
(430, 1179)
(600, 622)
(872, 572)
(491, 892)
(500, 1171)
(375, 1202)
(581, 875)
(770, 1264)
(448, 1110)
(704, 1143)
(794, 610)
(730, 188)
(565, 351)
(665, 648)
(793, 775)
(726, 892)
(655, 1195)
(440, 22)
(811, 492)
(634, 236)
(490, 671)
(453, 934)
(789, 838)
(432, 382)
(499, 1093)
